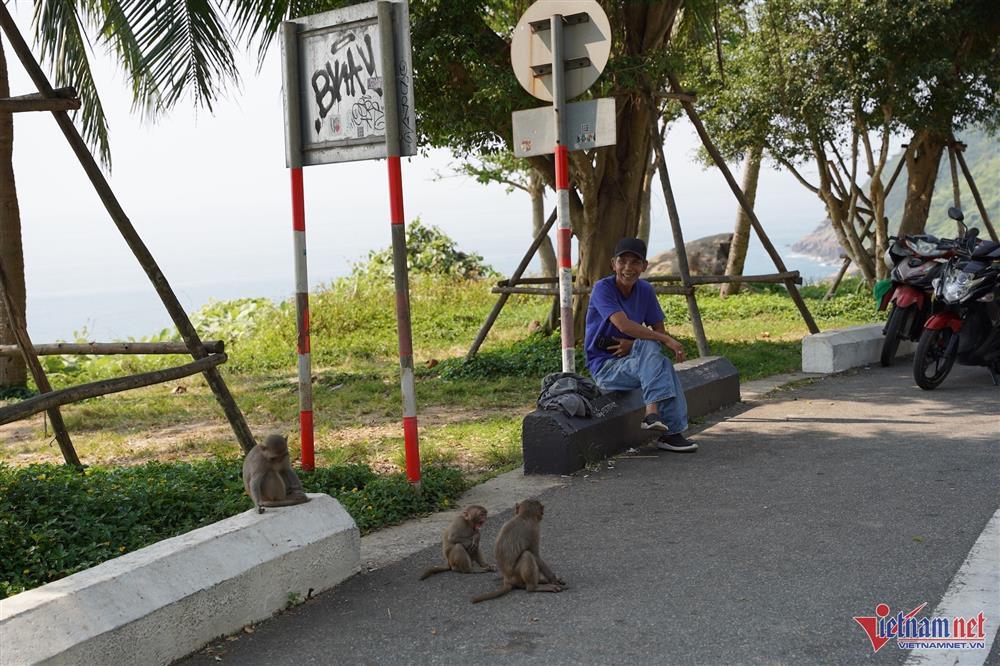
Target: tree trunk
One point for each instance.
(741, 232)
(922, 161)
(546, 254)
(646, 204)
(12, 369)
(612, 199)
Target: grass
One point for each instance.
(469, 412)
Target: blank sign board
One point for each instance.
(334, 81)
(586, 125)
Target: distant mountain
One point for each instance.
(983, 157)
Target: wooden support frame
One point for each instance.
(112, 348)
(63, 99)
(54, 399)
(675, 227)
(19, 326)
(515, 276)
(959, 148)
(754, 222)
(187, 331)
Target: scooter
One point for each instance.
(965, 325)
(915, 262)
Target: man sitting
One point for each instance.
(623, 337)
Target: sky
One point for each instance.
(209, 195)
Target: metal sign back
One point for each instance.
(588, 124)
(334, 78)
(587, 46)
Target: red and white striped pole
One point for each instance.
(400, 270)
(565, 226)
(293, 159)
(302, 321)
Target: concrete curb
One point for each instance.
(554, 443)
(846, 348)
(169, 599)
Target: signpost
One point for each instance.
(348, 92)
(558, 50)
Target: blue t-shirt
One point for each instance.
(641, 307)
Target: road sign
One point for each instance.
(586, 46)
(588, 124)
(334, 84)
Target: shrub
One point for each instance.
(55, 521)
(430, 251)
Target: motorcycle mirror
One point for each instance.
(956, 214)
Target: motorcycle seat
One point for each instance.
(987, 249)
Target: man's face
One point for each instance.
(628, 267)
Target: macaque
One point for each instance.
(268, 476)
(516, 553)
(460, 544)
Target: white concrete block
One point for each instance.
(845, 348)
(169, 599)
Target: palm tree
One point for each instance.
(169, 50)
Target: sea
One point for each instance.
(135, 312)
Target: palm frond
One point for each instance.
(259, 20)
(60, 36)
(118, 35)
(181, 46)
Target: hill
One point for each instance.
(983, 158)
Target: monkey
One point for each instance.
(516, 553)
(460, 544)
(268, 475)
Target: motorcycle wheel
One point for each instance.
(932, 356)
(893, 331)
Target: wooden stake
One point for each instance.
(17, 325)
(675, 227)
(514, 277)
(128, 232)
(956, 193)
(765, 241)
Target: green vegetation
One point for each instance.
(356, 384)
(55, 521)
(163, 458)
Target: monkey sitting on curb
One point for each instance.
(517, 557)
(460, 544)
(268, 476)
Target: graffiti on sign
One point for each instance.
(347, 96)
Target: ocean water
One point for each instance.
(136, 311)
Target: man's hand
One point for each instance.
(623, 347)
(677, 349)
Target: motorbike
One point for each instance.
(915, 262)
(965, 323)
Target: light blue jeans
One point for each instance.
(647, 368)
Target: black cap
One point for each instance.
(633, 245)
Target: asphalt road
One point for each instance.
(799, 512)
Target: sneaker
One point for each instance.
(653, 422)
(676, 442)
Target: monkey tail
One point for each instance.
(435, 570)
(504, 589)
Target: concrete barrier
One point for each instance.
(554, 443)
(167, 600)
(845, 348)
